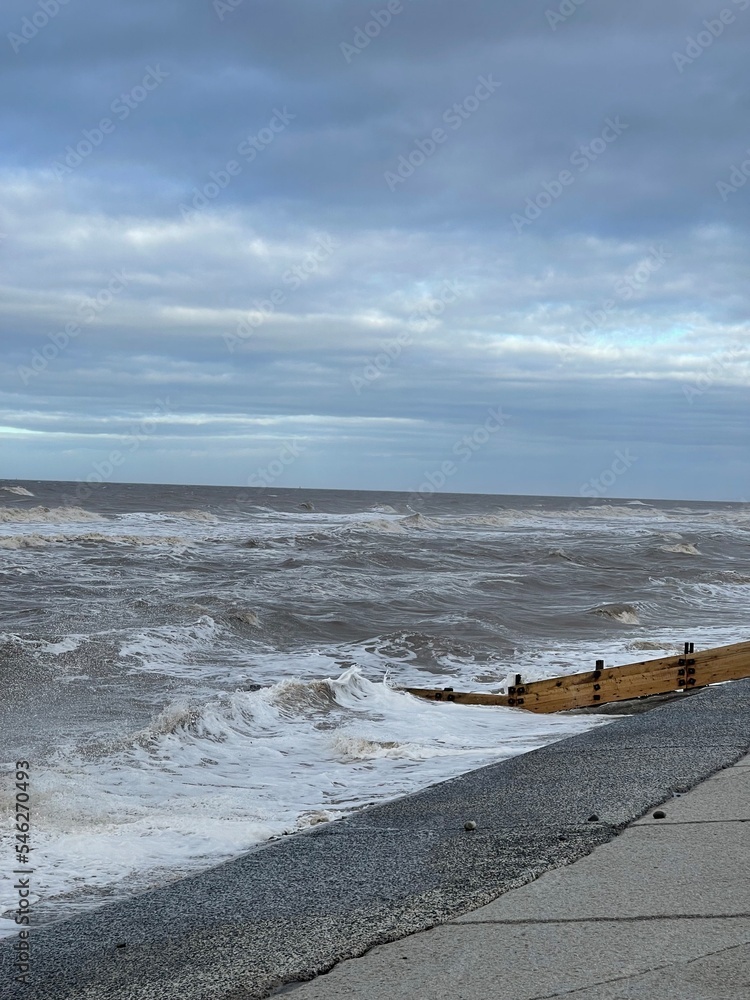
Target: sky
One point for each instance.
(421, 245)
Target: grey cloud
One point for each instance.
(543, 322)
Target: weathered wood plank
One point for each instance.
(460, 697)
(610, 684)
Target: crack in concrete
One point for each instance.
(684, 822)
(637, 975)
(600, 920)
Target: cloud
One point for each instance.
(184, 243)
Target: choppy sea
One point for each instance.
(192, 671)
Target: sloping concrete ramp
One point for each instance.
(661, 911)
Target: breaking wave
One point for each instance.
(624, 613)
(206, 781)
(205, 703)
(681, 548)
(23, 541)
(203, 516)
(560, 554)
(19, 491)
(35, 541)
(45, 515)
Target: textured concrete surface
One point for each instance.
(294, 908)
(728, 793)
(675, 870)
(662, 911)
(540, 962)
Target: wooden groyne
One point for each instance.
(687, 671)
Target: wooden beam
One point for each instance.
(604, 685)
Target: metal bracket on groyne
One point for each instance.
(685, 672)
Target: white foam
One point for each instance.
(204, 516)
(179, 650)
(205, 782)
(208, 779)
(19, 491)
(18, 542)
(379, 524)
(67, 645)
(46, 515)
(624, 613)
(35, 540)
(681, 548)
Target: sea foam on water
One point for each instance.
(202, 696)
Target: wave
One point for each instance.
(607, 511)
(681, 548)
(499, 519)
(624, 613)
(649, 644)
(45, 515)
(207, 781)
(360, 526)
(244, 616)
(380, 524)
(729, 576)
(253, 543)
(35, 541)
(18, 490)
(24, 542)
(179, 649)
(418, 520)
(560, 554)
(194, 515)
(175, 717)
(359, 748)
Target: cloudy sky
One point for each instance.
(492, 246)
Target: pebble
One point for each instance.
(660, 814)
(470, 825)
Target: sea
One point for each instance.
(192, 672)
